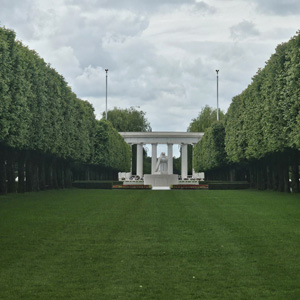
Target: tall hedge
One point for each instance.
(262, 124)
(265, 118)
(213, 140)
(111, 150)
(44, 127)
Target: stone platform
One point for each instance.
(160, 179)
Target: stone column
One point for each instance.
(130, 159)
(139, 160)
(184, 161)
(154, 158)
(170, 159)
(193, 170)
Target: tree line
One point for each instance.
(259, 138)
(49, 137)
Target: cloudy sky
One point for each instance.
(161, 54)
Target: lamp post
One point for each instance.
(217, 95)
(106, 70)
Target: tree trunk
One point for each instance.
(286, 177)
(254, 176)
(87, 172)
(3, 183)
(251, 176)
(10, 169)
(68, 175)
(21, 172)
(42, 173)
(35, 174)
(263, 169)
(232, 174)
(48, 174)
(29, 175)
(295, 172)
(60, 174)
(275, 177)
(259, 179)
(54, 174)
(286, 181)
(280, 166)
(269, 177)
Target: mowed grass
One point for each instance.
(99, 244)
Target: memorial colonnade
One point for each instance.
(167, 138)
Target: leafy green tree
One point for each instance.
(128, 120)
(45, 128)
(205, 119)
(262, 125)
(210, 153)
(110, 149)
(7, 45)
(235, 139)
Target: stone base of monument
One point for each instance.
(157, 180)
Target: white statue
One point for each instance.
(162, 164)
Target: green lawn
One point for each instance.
(110, 244)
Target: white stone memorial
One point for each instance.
(162, 167)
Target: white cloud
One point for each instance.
(161, 54)
(243, 30)
(141, 6)
(203, 7)
(280, 8)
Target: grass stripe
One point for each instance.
(103, 244)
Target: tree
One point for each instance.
(205, 119)
(210, 151)
(262, 127)
(128, 120)
(45, 129)
(110, 149)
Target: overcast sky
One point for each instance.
(161, 54)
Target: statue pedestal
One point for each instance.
(160, 179)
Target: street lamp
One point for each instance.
(217, 95)
(106, 70)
